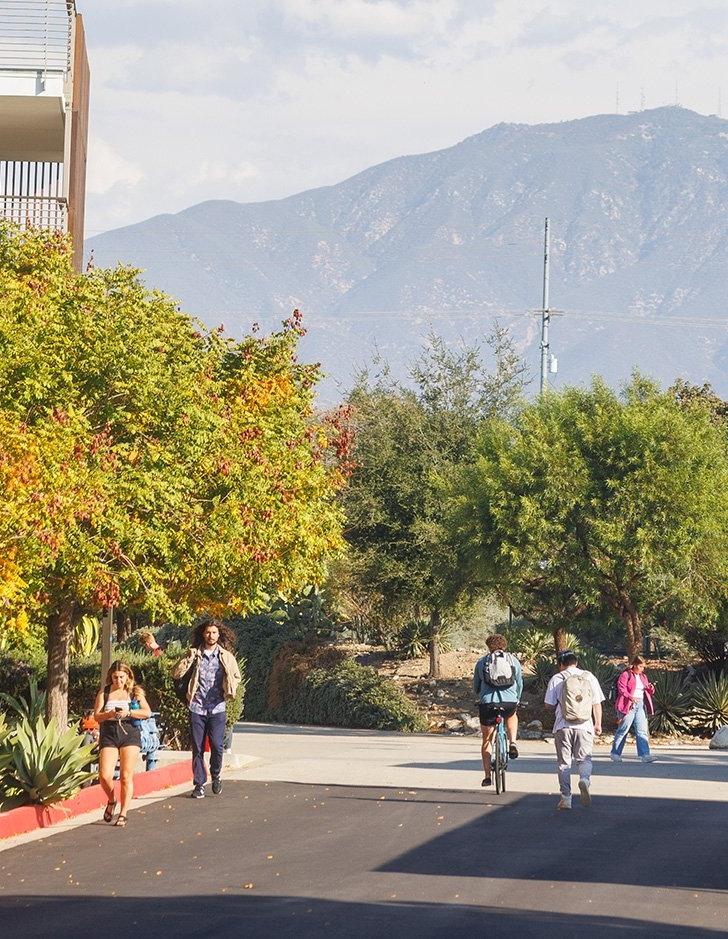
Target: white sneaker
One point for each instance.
(564, 803)
(615, 758)
(584, 794)
(649, 758)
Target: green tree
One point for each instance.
(173, 471)
(407, 439)
(591, 500)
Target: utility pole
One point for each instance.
(545, 313)
(107, 627)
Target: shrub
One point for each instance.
(155, 676)
(260, 638)
(414, 639)
(15, 675)
(291, 666)
(31, 706)
(672, 703)
(572, 642)
(710, 703)
(529, 642)
(86, 637)
(542, 671)
(352, 695)
(711, 643)
(39, 763)
(601, 668)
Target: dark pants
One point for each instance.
(211, 726)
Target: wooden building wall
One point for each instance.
(79, 144)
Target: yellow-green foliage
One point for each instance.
(144, 461)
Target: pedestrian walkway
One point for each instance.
(374, 758)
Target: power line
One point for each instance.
(632, 319)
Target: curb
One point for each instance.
(31, 817)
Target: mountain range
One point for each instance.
(449, 240)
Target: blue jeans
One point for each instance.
(211, 726)
(636, 719)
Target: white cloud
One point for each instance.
(107, 169)
(259, 99)
(365, 18)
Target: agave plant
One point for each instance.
(42, 764)
(86, 637)
(602, 669)
(31, 709)
(542, 671)
(414, 639)
(530, 643)
(710, 702)
(672, 703)
(571, 642)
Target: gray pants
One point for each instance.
(573, 744)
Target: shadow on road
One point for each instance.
(302, 730)
(265, 916)
(649, 842)
(701, 767)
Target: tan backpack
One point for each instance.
(576, 698)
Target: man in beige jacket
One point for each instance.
(214, 678)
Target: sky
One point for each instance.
(258, 99)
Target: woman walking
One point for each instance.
(633, 703)
(120, 705)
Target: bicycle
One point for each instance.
(499, 756)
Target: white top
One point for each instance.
(113, 703)
(553, 696)
(638, 693)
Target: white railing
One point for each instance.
(36, 35)
(31, 195)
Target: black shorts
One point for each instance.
(118, 735)
(489, 712)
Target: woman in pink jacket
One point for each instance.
(633, 703)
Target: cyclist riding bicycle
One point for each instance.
(498, 683)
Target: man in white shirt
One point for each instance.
(577, 697)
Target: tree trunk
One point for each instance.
(633, 627)
(559, 640)
(634, 634)
(124, 628)
(60, 634)
(435, 622)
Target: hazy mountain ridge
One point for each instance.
(638, 208)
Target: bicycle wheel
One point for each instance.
(498, 762)
(503, 747)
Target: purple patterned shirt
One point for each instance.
(209, 697)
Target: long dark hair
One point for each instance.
(227, 637)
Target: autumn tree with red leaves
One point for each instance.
(145, 461)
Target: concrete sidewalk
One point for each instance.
(376, 758)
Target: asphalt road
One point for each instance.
(287, 859)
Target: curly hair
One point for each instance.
(496, 642)
(227, 637)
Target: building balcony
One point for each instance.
(44, 92)
(36, 71)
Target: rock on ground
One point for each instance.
(720, 739)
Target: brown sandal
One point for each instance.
(109, 812)
(121, 822)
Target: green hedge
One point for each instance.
(352, 695)
(260, 638)
(293, 678)
(153, 674)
